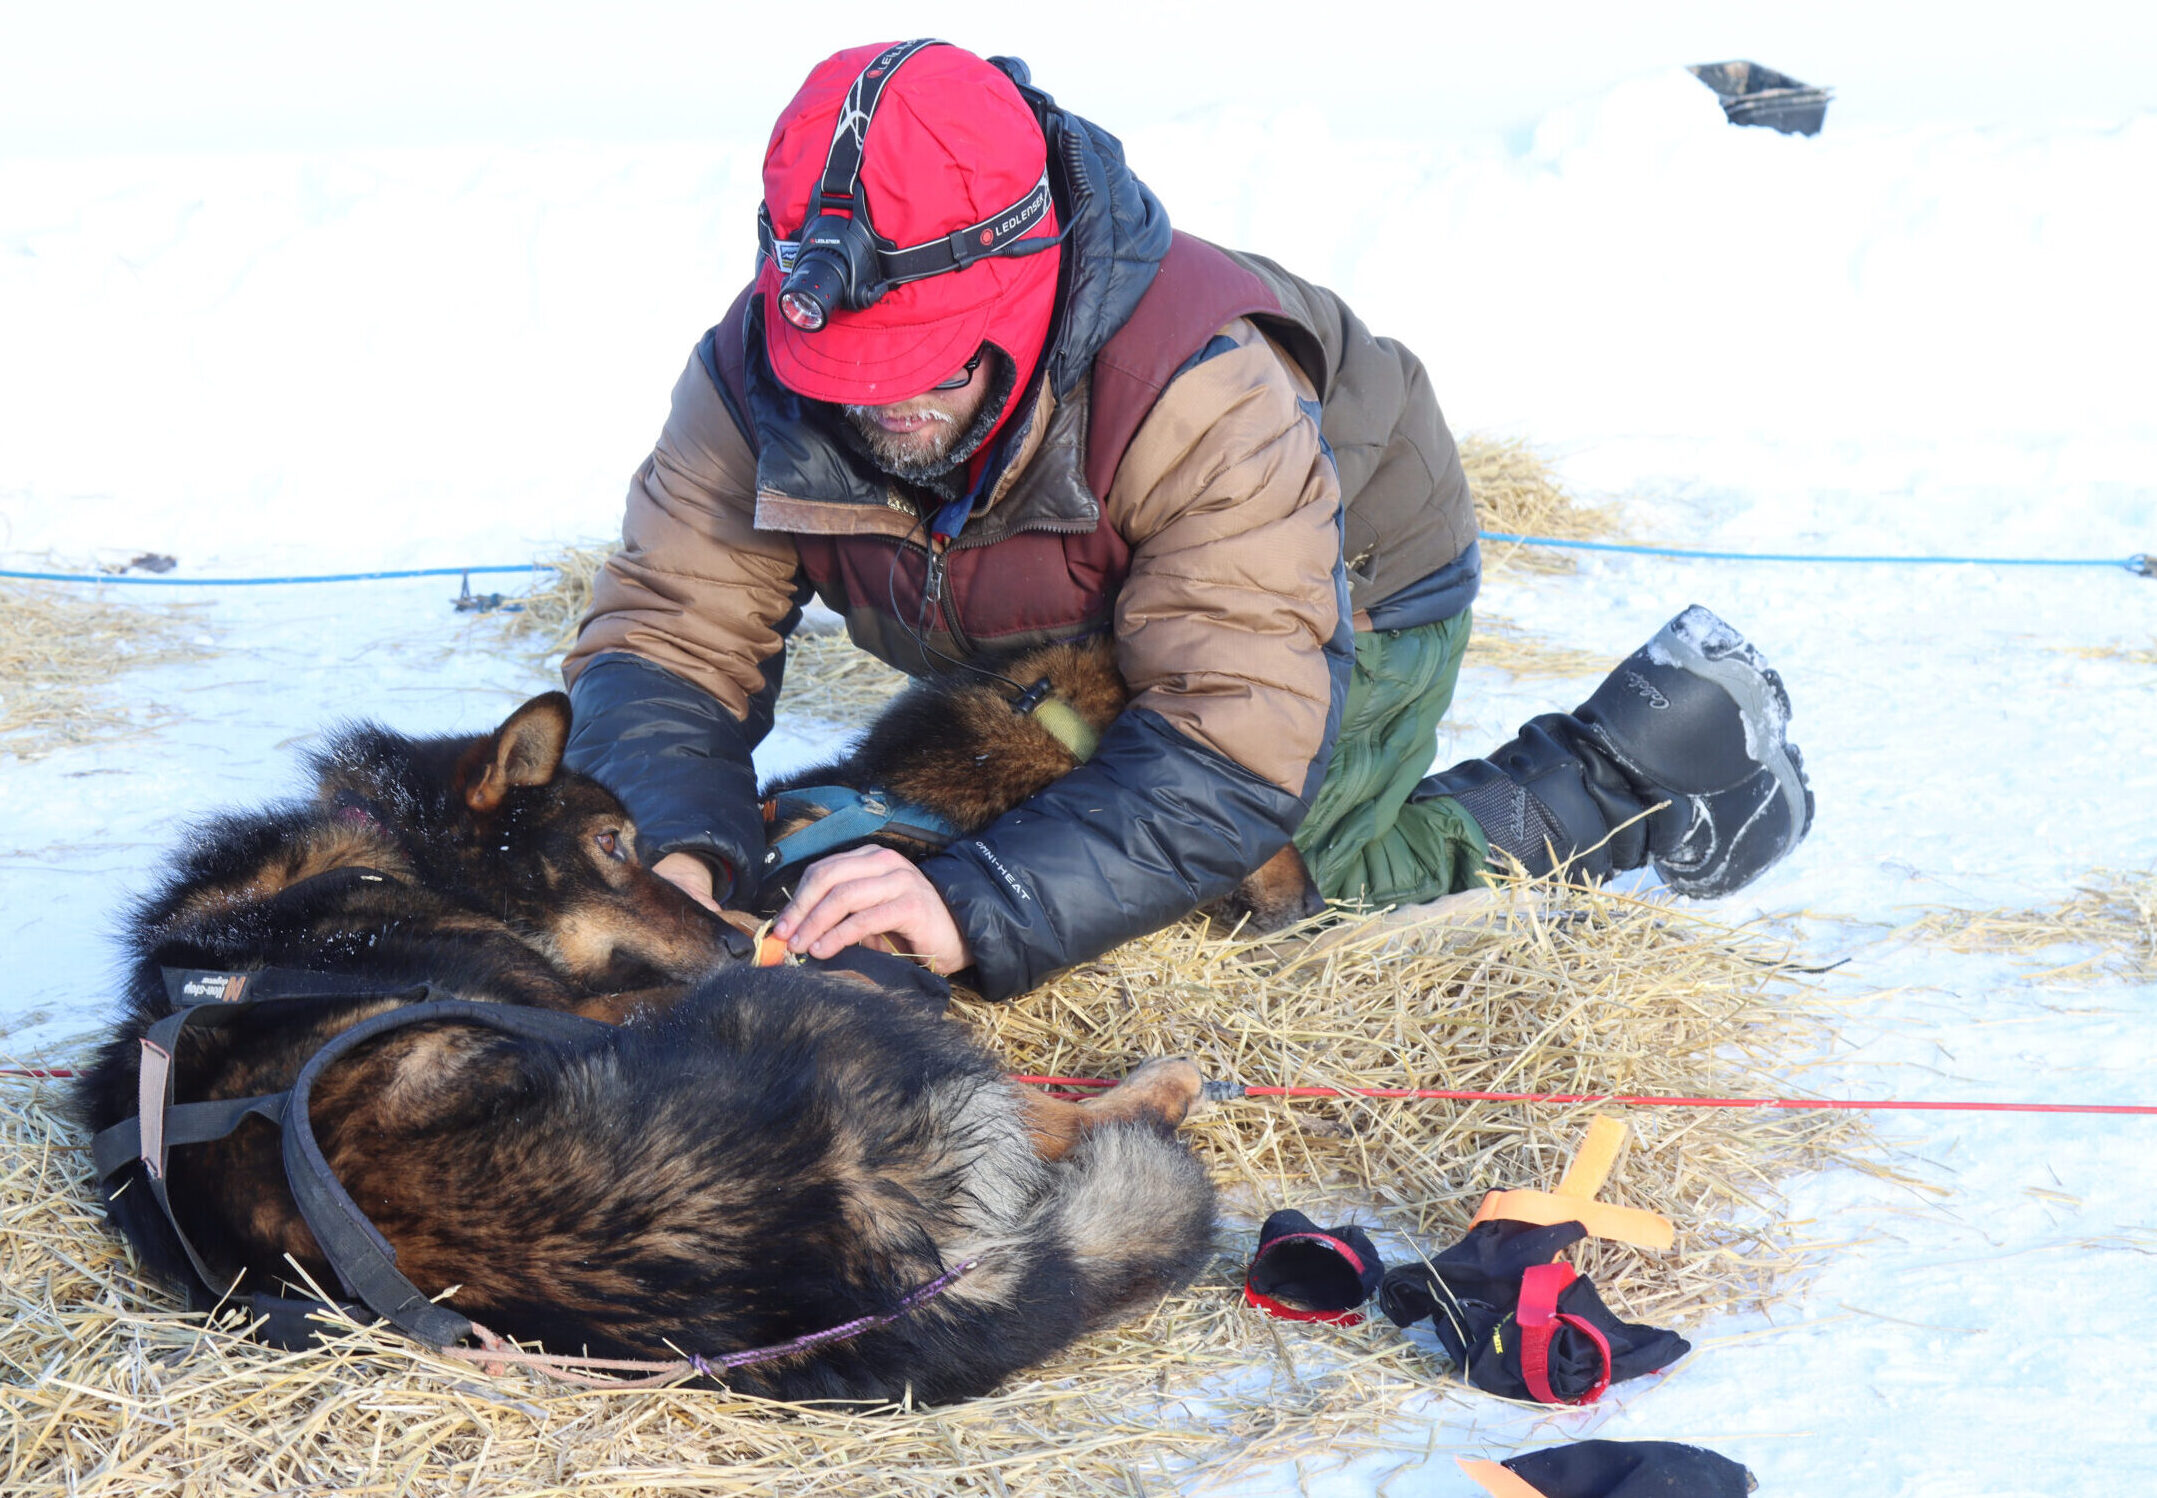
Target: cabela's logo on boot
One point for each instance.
(1646, 689)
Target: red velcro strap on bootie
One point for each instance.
(1538, 1319)
(1341, 1316)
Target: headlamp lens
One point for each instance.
(834, 268)
(802, 309)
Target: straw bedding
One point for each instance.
(61, 651)
(110, 1389)
(1517, 494)
(1502, 645)
(831, 679)
(2133, 654)
(545, 621)
(2112, 912)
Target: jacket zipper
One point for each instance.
(935, 595)
(946, 603)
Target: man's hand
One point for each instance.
(856, 896)
(691, 874)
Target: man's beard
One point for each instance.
(939, 466)
(903, 454)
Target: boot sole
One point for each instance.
(1699, 641)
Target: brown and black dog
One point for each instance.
(973, 743)
(758, 1155)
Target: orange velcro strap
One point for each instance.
(1595, 1159)
(1499, 1482)
(1574, 1200)
(770, 951)
(1642, 1229)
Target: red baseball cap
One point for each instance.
(951, 144)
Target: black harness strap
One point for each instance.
(184, 1123)
(158, 1125)
(363, 1260)
(212, 986)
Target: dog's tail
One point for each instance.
(1135, 1212)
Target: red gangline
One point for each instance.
(1855, 1105)
(1852, 1104)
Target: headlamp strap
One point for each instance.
(842, 165)
(838, 192)
(998, 234)
(994, 235)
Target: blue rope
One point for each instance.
(260, 582)
(2140, 563)
(2143, 564)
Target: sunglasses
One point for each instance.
(964, 377)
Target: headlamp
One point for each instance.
(840, 261)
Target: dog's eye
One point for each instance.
(610, 843)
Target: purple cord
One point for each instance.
(713, 1367)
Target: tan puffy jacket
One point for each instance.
(1224, 501)
(1219, 415)
(1224, 498)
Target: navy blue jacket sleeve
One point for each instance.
(1149, 829)
(1152, 827)
(675, 756)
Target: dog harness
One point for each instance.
(844, 818)
(362, 1260)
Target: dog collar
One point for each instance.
(844, 817)
(1063, 723)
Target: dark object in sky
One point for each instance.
(1754, 95)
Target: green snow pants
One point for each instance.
(1364, 840)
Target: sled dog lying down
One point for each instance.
(739, 1157)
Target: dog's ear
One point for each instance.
(526, 750)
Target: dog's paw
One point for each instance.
(1278, 894)
(1169, 1086)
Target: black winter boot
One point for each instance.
(1693, 718)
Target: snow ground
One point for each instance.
(1908, 335)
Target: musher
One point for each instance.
(980, 396)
